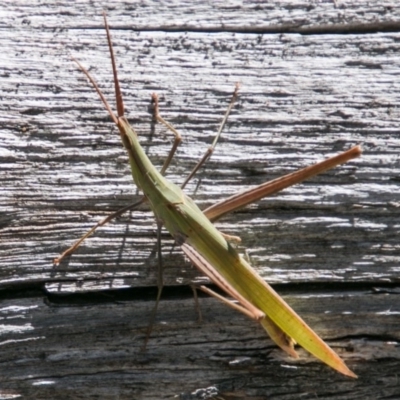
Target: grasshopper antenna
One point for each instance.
(118, 94)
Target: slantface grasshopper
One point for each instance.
(210, 250)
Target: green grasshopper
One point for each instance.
(210, 250)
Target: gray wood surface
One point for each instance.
(317, 77)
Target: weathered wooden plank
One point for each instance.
(302, 98)
(62, 168)
(93, 346)
(251, 16)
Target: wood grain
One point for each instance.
(316, 78)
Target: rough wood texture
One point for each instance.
(330, 245)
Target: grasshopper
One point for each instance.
(210, 250)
